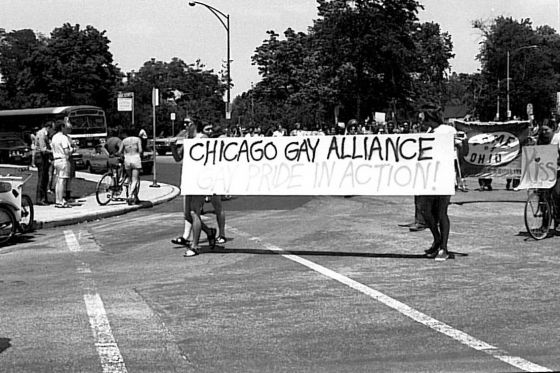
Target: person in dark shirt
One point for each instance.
(113, 143)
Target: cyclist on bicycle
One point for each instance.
(131, 149)
(547, 136)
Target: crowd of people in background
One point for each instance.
(352, 127)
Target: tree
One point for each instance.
(15, 48)
(185, 89)
(533, 67)
(73, 66)
(359, 56)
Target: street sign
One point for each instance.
(155, 97)
(529, 110)
(125, 101)
(172, 116)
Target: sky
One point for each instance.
(162, 29)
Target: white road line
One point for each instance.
(107, 349)
(406, 310)
(71, 241)
(105, 344)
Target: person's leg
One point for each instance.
(52, 176)
(135, 183)
(60, 190)
(184, 239)
(40, 197)
(429, 214)
(444, 225)
(220, 218)
(198, 203)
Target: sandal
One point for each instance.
(181, 241)
(221, 240)
(62, 206)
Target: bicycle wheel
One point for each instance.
(8, 224)
(538, 216)
(105, 189)
(27, 214)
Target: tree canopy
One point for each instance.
(358, 57)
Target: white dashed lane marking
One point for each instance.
(105, 344)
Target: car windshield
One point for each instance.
(11, 142)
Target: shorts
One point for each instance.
(193, 204)
(132, 162)
(62, 168)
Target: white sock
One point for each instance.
(187, 231)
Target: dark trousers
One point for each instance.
(418, 215)
(42, 160)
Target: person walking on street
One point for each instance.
(131, 149)
(42, 160)
(143, 135)
(62, 150)
(192, 208)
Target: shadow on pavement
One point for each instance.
(4, 344)
(223, 250)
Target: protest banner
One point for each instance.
(539, 164)
(410, 164)
(492, 149)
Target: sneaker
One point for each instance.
(442, 255)
(221, 240)
(190, 252)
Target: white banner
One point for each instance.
(406, 164)
(538, 166)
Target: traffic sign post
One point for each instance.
(155, 102)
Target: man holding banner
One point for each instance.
(192, 207)
(434, 207)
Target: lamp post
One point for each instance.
(508, 113)
(224, 20)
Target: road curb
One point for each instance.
(111, 210)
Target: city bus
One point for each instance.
(88, 122)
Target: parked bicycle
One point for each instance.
(16, 208)
(539, 213)
(113, 185)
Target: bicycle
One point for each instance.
(539, 213)
(16, 209)
(112, 185)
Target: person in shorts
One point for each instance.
(131, 149)
(192, 207)
(62, 150)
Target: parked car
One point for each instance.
(14, 150)
(163, 144)
(97, 160)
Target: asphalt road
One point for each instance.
(325, 284)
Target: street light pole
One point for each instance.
(224, 20)
(508, 113)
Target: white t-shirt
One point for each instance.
(61, 146)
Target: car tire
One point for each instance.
(88, 168)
